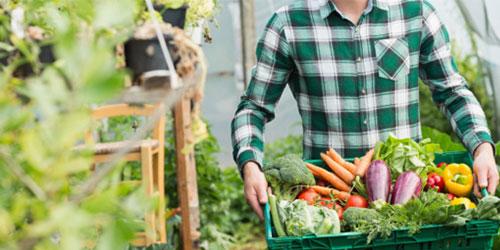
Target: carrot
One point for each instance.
(336, 157)
(343, 173)
(365, 163)
(324, 191)
(331, 178)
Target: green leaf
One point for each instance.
(103, 19)
(444, 140)
(498, 148)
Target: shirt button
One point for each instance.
(365, 122)
(363, 91)
(358, 59)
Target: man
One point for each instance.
(353, 68)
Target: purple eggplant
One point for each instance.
(408, 185)
(378, 181)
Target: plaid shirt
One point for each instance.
(354, 84)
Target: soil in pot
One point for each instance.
(176, 17)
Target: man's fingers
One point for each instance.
(492, 181)
(482, 176)
(477, 191)
(252, 200)
(261, 192)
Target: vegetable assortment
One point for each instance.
(395, 185)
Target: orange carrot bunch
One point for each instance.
(343, 173)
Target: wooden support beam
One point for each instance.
(248, 37)
(187, 186)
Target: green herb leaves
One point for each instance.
(430, 208)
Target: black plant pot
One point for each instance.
(145, 55)
(176, 17)
(46, 56)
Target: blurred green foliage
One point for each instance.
(226, 219)
(223, 209)
(46, 201)
(447, 142)
(291, 144)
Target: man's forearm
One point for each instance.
(484, 148)
(247, 135)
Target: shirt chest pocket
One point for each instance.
(393, 58)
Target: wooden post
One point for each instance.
(187, 186)
(248, 37)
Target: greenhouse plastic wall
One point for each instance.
(484, 20)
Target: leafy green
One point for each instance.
(444, 140)
(302, 219)
(291, 144)
(488, 208)
(47, 188)
(430, 208)
(360, 187)
(407, 155)
(286, 175)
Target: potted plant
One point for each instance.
(29, 48)
(143, 52)
(192, 15)
(173, 12)
(200, 14)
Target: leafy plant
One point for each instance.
(197, 12)
(447, 142)
(48, 198)
(223, 209)
(291, 144)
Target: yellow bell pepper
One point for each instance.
(467, 203)
(458, 179)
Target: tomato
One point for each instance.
(356, 201)
(451, 197)
(340, 211)
(309, 195)
(326, 202)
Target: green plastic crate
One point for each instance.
(475, 235)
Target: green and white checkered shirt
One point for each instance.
(354, 84)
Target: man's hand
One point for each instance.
(255, 187)
(485, 169)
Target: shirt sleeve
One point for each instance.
(257, 105)
(449, 89)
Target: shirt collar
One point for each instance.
(327, 7)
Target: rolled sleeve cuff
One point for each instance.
(246, 156)
(474, 140)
